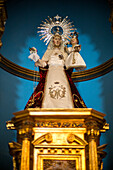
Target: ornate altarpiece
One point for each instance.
(49, 139)
(56, 138)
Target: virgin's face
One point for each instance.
(57, 41)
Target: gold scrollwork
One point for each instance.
(48, 137)
(74, 138)
(33, 100)
(58, 124)
(78, 100)
(71, 138)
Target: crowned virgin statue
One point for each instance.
(56, 88)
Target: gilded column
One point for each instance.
(26, 134)
(25, 157)
(92, 133)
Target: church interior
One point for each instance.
(77, 138)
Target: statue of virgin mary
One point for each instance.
(56, 88)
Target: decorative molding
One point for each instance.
(28, 74)
(59, 124)
(14, 147)
(46, 137)
(74, 138)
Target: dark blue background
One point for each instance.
(91, 18)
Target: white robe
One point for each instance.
(57, 92)
(74, 60)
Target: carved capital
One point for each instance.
(93, 129)
(25, 129)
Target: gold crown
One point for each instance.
(56, 25)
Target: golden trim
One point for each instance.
(32, 101)
(77, 158)
(59, 112)
(74, 138)
(77, 99)
(47, 137)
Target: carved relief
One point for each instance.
(74, 138)
(59, 124)
(46, 137)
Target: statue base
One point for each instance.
(58, 138)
